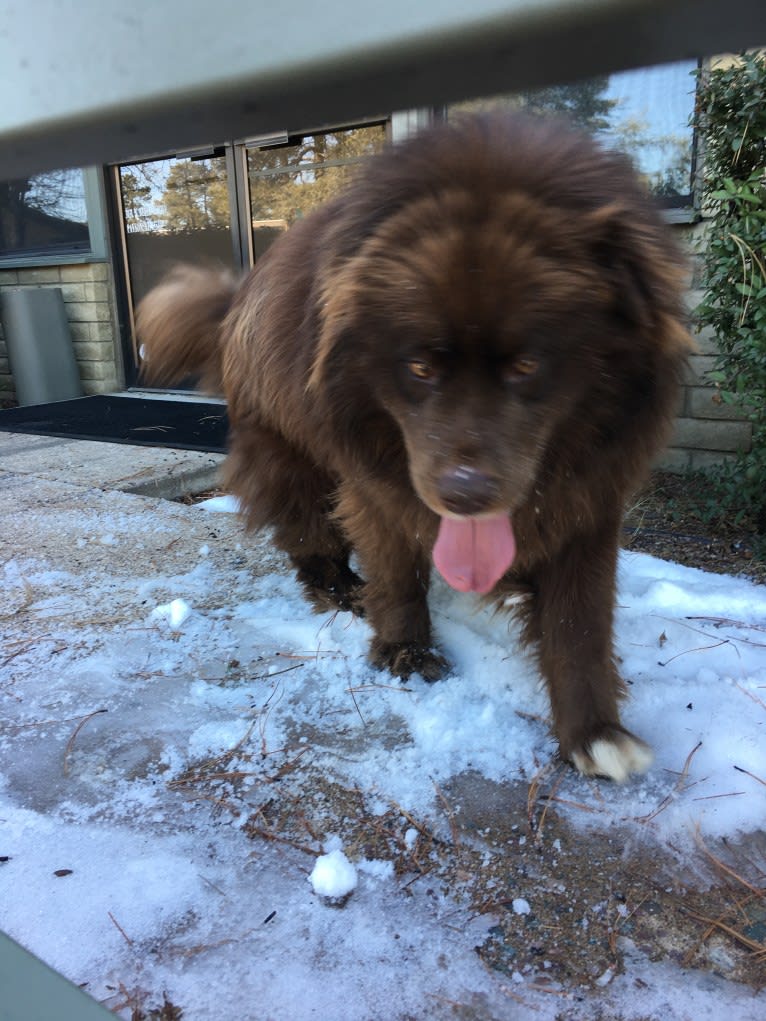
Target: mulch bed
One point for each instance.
(663, 520)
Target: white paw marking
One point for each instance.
(615, 758)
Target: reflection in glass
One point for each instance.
(645, 112)
(174, 210)
(287, 182)
(651, 121)
(44, 215)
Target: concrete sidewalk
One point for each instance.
(147, 471)
(73, 503)
(70, 507)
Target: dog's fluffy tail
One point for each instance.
(178, 325)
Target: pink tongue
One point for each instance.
(473, 553)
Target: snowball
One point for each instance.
(220, 504)
(333, 876)
(521, 906)
(174, 613)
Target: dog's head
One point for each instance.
(492, 322)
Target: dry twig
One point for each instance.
(450, 816)
(759, 949)
(120, 929)
(547, 798)
(679, 786)
(747, 772)
(72, 739)
(750, 695)
(726, 869)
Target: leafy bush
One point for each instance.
(731, 125)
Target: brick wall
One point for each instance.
(88, 293)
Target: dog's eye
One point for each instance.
(421, 370)
(522, 367)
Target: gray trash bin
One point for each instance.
(39, 345)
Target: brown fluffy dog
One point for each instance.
(468, 359)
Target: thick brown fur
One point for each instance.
(188, 305)
(497, 293)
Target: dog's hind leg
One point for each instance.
(329, 582)
(280, 488)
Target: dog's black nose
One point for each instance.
(467, 490)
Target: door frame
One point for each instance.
(240, 251)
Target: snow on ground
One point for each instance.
(132, 681)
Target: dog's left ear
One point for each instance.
(337, 304)
(645, 272)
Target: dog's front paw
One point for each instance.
(613, 753)
(403, 659)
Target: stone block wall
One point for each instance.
(88, 292)
(707, 431)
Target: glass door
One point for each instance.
(172, 210)
(286, 181)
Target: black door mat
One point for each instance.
(146, 422)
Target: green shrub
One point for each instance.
(731, 125)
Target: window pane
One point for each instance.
(175, 210)
(645, 112)
(44, 215)
(650, 120)
(289, 181)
